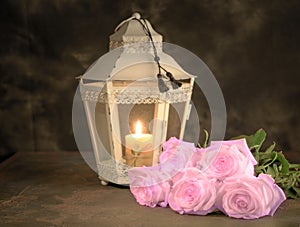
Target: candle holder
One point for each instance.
(135, 81)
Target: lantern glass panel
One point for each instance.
(176, 112)
(136, 133)
(103, 130)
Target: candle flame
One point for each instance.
(138, 128)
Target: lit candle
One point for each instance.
(139, 147)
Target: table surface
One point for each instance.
(59, 189)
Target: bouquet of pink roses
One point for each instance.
(199, 181)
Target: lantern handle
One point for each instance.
(162, 87)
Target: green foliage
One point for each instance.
(205, 143)
(272, 162)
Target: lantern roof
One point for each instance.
(132, 30)
(133, 46)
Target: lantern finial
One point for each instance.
(136, 15)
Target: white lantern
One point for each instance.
(135, 98)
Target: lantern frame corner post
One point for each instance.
(89, 104)
(161, 114)
(113, 121)
(109, 165)
(187, 109)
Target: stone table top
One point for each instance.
(59, 189)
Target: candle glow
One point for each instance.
(138, 128)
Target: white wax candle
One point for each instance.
(139, 142)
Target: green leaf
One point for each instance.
(275, 170)
(271, 171)
(268, 159)
(265, 161)
(254, 141)
(284, 163)
(270, 148)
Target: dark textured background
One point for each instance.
(252, 47)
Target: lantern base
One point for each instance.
(114, 172)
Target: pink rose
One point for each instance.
(192, 193)
(225, 159)
(196, 158)
(151, 196)
(169, 148)
(241, 145)
(153, 175)
(250, 197)
(177, 159)
(149, 186)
